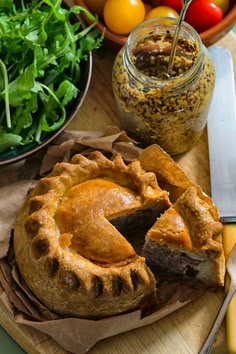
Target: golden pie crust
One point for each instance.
(171, 176)
(71, 243)
(67, 250)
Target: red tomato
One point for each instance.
(203, 14)
(175, 4)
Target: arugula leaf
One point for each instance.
(20, 89)
(9, 141)
(66, 92)
(41, 52)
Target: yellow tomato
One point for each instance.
(162, 11)
(123, 16)
(96, 6)
(224, 4)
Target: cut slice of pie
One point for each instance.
(185, 243)
(171, 177)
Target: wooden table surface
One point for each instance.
(182, 332)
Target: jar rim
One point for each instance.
(169, 24)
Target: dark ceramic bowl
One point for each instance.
(208, 37)
(20, 152)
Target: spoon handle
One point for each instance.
(185, 5)
(206, 348)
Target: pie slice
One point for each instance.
(170, 176)
(185, 243)
(68, 238)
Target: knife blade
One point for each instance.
(221, 128)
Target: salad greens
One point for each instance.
(41, 51)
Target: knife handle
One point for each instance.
(229, 239)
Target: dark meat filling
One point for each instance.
(135, 226)
(162, 260)
(143, 218)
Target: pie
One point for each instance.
(67, 248)
(72, 235)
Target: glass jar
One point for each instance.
(170, 111)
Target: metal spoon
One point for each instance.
(231, 268)
(185, 5)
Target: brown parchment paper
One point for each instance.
(73, 334)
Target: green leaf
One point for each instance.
(25, 81)
(66, 92)
(32, 36)
(7, 5)
(9, 141)
(78, 9)
(56, 125)
(20, 89)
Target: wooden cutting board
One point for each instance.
(183, 331)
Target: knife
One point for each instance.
(221, 128)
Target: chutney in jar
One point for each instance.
(170, 111)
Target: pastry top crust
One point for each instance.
(171, 177)
(69, 253)
(188, 224)
(83, 195)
